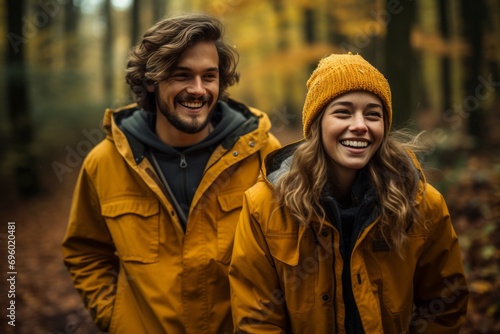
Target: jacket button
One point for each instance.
(324, 232)
(252, 144)
(325, 297)
(235, 153)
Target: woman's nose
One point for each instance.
(358, 123)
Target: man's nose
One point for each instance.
(196, 87)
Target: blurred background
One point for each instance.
(62, 63)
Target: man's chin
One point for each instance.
(192, 127)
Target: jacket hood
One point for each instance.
(253, 119)
(141, 125)
(278, 163)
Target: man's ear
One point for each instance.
(150, 86)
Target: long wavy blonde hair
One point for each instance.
(392, 172)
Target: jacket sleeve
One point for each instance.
(89, 254)
(441, 293)
(256, 298)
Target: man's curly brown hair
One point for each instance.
(159, 51)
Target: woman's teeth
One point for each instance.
(353, 143)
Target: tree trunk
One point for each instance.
(474, 16)
(494, 10)
(281, 45)
(455, 123)
(135, 21)
(107, 63)
(444, 30)
(159, 9)
(71, 19)
(18, 106)
(398, 68)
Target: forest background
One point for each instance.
(62, 63)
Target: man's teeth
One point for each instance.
(192, 105)
(353, 143)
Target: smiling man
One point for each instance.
(155, 208)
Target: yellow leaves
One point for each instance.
(436, 44)
(480, 287)
(286, 61)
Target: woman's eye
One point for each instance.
(341, 112)
(374, 114)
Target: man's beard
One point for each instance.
(191, 127)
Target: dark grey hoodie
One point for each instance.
(183, 167)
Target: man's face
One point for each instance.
(187, 97)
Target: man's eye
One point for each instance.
(211, 76)
(180, 75)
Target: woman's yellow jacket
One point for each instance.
(286, 278)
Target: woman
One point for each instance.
(343, 234)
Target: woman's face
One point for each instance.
(352, 129)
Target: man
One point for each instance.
(155, 208)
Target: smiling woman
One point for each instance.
(343, 233)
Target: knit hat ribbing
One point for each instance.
(339, 74)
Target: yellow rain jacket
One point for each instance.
(286, 278)
(129, 258)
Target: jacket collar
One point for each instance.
(285, 247)
(279, 162)
(112, 119)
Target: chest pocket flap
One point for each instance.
(230, 205)
(134, 227)
(285, 246)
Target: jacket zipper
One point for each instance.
(166, 189)
(183, 164)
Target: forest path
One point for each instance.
(45, 299)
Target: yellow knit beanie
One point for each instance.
(339, 74)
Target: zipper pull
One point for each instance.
(183, 163)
